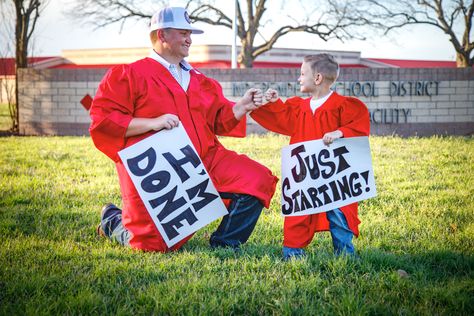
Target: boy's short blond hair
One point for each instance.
(324, 64)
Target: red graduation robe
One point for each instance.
(145, 89)
(295, 118)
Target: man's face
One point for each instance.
(178, 42)
(306, 79)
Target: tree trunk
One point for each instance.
(21, 36)
(245, 61)
(462, 60)
(245, 58)
(21, 56)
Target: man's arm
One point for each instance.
(140, 126)
(252, 99)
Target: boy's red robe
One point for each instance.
(145, 89)
(296, 119)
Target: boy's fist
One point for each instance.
(271, 95)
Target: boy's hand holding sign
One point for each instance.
(317, 178)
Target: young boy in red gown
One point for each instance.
(328, 116)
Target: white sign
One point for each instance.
(318, 178)
(173, 184)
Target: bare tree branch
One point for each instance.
(339, 19)
(330, 19)
(33, 11)
(101, 13)
(201, 14)
(448, 16)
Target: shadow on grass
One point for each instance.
(31, 221)
(76, 227)
(434, 265)
(60, 246)
(7, 133)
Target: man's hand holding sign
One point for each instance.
(173, 184)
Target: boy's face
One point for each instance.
(307, 79)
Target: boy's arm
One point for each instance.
(276, 116)
(355, 121)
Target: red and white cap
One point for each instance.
(174, 18)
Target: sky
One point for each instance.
(56, 32)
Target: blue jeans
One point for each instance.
(340, 233)
(234, 229)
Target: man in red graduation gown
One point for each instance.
(136, 100)
(325, 115)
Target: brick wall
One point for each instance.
(401, 101)
(50, 100)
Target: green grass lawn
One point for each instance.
(422, 221)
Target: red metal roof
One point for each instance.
(222, 64)
(416, 63)
(259, 64)
(7, 65)
(75, 66)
